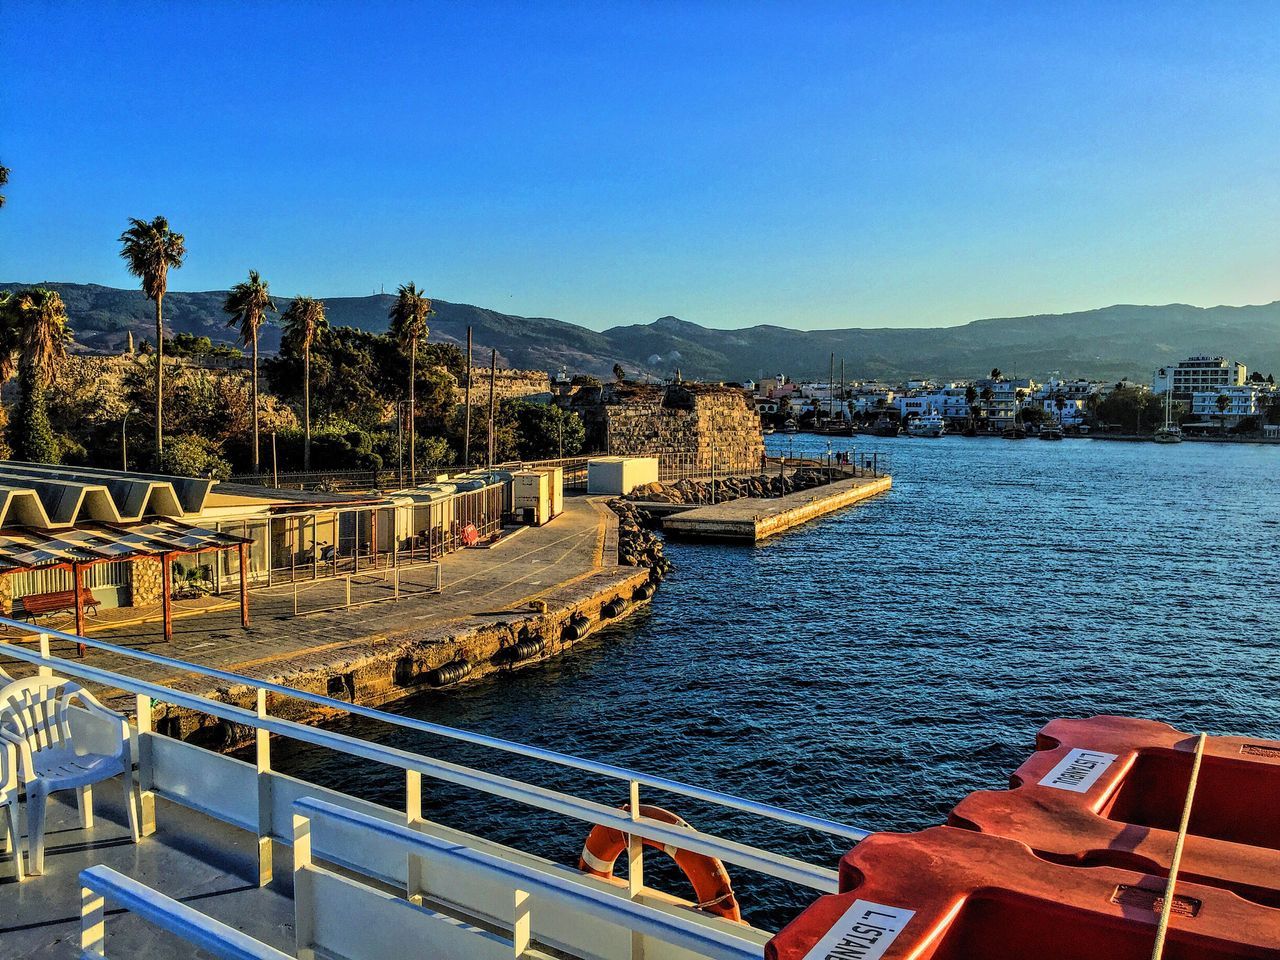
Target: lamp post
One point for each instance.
(124, 439)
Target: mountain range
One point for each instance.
(1106, 343)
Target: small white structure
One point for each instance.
(555, 488)
(618, 476)
(531, 496)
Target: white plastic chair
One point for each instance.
(34, 717)
(9, 800)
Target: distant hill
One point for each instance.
(1107, 343)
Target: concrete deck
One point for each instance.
(750, 520)
(570, 564)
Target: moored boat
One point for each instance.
(930, 424)
(886, 427)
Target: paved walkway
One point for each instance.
(475, 583)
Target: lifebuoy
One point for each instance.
(470, 535)
(707, 874)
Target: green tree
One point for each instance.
(248, 304)
(971, 400)
(303, 323)
(996, 374)
(544, 431)
(1059, 404)
(409, 326)
(42, 336)
(150, 249)
(1223, 403)
(4, 179)
(194, 456)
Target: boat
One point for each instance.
(885, 427)
(930, 424)
(1170, 432)
(790, 427)
(1051, 431)
(1014, 432)
(332, 872)
(769, 431)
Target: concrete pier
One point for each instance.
(522, 593)
(750, 520)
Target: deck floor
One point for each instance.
(207, 864)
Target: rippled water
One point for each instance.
(876, 666)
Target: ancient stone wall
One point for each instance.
(691, 428)
(508, 384)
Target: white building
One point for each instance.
(1242, 401)
(1075, 395)
(1198, 374)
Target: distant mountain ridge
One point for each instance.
(1106, 343)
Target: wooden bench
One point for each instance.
(41, 604)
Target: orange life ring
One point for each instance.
(470, 535)
(707, 874)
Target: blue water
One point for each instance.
(876, 666)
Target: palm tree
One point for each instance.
(1060, 403)
(987, 396)
(970, 399)
(248, 303)
(996, 374)
(1223, 403)
(4, 178)
(41, 335)
(303, 322)
(150, 249)
(409, 326)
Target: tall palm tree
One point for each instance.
(41, 334)
(409, 326)
(4, 178)
(150, 249)
(303, 322)
(1223, 403)
(248, 303)
(1060, 404)
(970, 399)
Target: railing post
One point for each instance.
(44, 671)
(414, 885)
(304, 926)
(263, 756)
(395, 573)
(635, 847)
(348, 590)
(93, 934)
(146, 768)
(521, 923)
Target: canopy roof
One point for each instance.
(47, 497)
(26, 549)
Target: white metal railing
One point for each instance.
(417, 766)
(97, 884)
(521, 883)
(364, 578)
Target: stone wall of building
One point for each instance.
(691, 428)
(147, 582)
(6, 595)
(508, 384)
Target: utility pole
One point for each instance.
(466, 431)
(493, 377)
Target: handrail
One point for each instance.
(754, 858)
(172, 915)
(613, 771)
(676, 930)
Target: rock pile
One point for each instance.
(638, 546)
(727, 488)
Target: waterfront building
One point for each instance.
(870, 398)
(1003, 406)
(1242, 402)
(949, 401)
(1075, 394)
(1198, 374)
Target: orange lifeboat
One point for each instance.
(1109, 791)
(707, 874)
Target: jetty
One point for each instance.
(750, 520)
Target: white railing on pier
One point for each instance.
(99, 884)
(257, 798)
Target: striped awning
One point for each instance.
(24, 548)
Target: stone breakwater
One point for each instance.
(721, 490)
(638, 546)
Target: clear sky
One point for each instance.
(731, 163)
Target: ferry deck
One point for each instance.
(239, 860)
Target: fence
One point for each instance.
(377, 586)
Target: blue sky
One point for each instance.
(810, 165)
